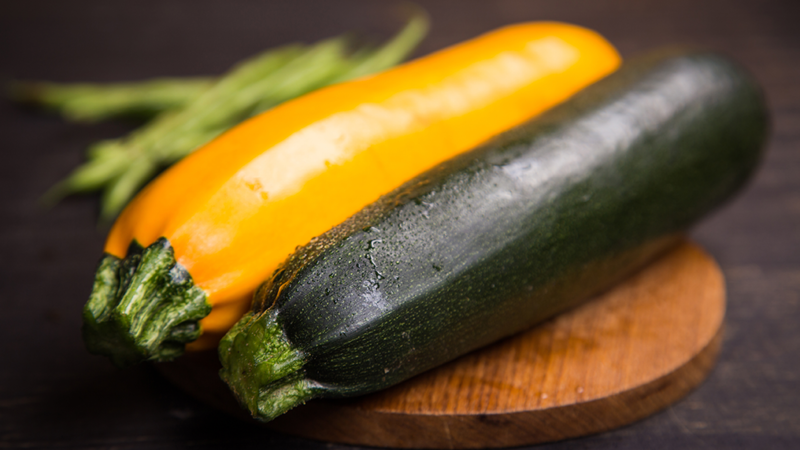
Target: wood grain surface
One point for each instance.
(53, 394)
(623, 356)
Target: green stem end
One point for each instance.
(263, 369)
(143, 307)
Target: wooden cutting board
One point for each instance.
(619, 358)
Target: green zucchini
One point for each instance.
(492, 242)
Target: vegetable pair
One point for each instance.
(461, 247)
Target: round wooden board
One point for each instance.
(621, 357)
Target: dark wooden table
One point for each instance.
(55, 395)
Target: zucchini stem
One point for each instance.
(143, 307)
(263, 368)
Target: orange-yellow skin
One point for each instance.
(236, 208)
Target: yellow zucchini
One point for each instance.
(202, 236)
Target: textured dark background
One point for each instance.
(55, 395)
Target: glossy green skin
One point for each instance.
(488, 244)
